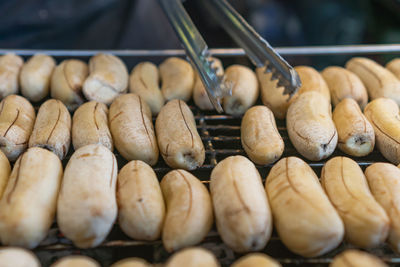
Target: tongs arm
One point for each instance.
(196, 50)
(258, 50)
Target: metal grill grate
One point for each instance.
(221, 138)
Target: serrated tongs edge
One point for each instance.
(257, 49)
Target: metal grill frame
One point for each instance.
(221, 137)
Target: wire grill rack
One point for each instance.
(221, 137)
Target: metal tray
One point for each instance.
(221, 136)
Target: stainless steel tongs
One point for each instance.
(257, 49)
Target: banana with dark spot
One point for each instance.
(310, 126)
(356, 135)
(17, 117)
(180, 143)
(52, 129)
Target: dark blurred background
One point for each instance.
(140, 24)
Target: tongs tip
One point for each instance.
(290, 82)
(295, 83)
(214, 80)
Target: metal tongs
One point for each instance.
(257, 49)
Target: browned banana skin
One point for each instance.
(257, 260)
(177, 79)
(132, 262)
(90, 126)
(379, 81)
(365, 221)
(356, 258)
(192, 257)
(10, 67)
(17, 117)
(29, 202)
(144, 81)
(383, 180)
(241, 207)
(87, 206)
(52, 129)
(244, 89)
(383, 115)
(356, 135)
(108, 78)
(18, 257)
(35, 77)
(260, 137)
(200, 96)
(310, 126)
(394, 67)
(343, 84)
(76, 261)
(67, 82)
(141, 207)
(5, 170)
(304, 218)
(189, 214)
(179, 142)
(132, 129)
(311, 80)
(271, 95)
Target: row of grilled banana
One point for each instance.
(188, 257)
(127, 125)
(310, 219)
(355, 124)
(106, 77)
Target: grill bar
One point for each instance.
(220, 52)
